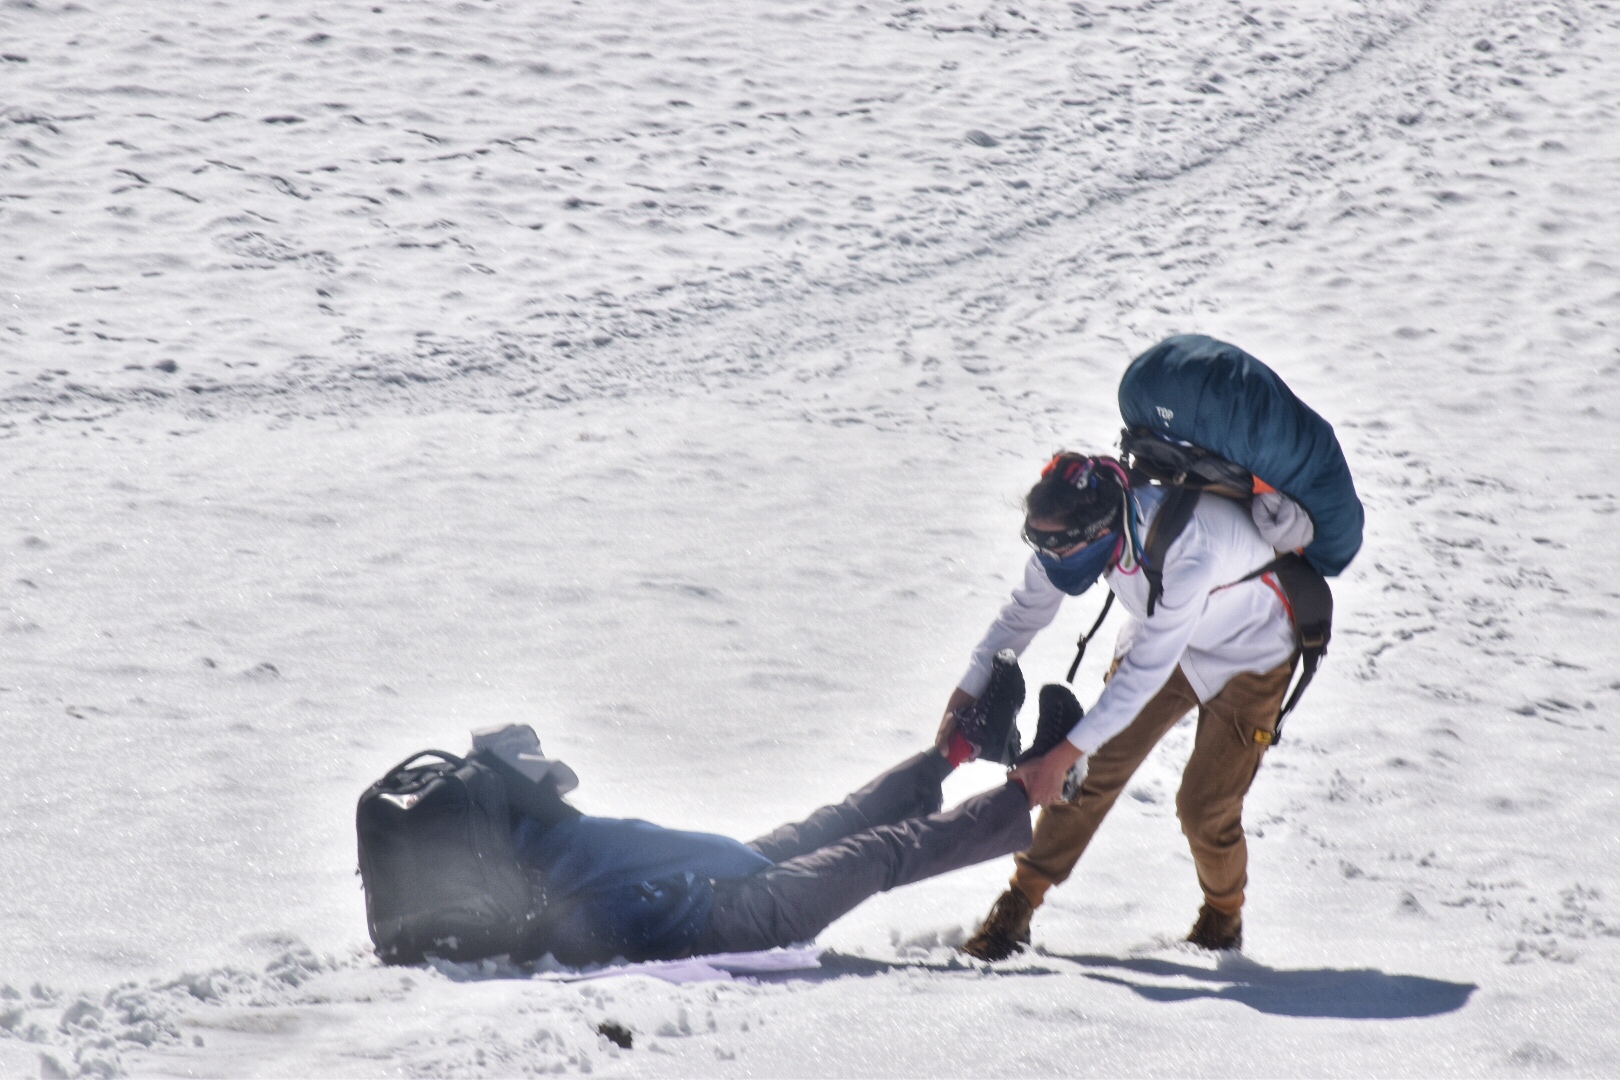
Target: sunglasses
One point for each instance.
(1055, 539)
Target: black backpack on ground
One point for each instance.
(437, 861)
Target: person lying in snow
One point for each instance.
(623, 888)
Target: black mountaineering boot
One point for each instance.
(1059, 713)
(989, 724)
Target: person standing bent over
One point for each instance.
(1214, 640)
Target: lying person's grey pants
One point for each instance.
(888, 833)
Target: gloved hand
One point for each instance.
(1282, 522)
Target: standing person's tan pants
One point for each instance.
(1234, 729)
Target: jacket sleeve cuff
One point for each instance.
(976, 679)
(1086, 740)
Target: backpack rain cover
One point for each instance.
(1220, 398)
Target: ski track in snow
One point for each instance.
(370, 375)
(564, 205)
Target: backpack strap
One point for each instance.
(1174, 513)
(1310, 607)
(1085, 638)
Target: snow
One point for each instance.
(706, 968)
(665, 375)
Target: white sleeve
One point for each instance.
(1033, 606)
(1158, 644)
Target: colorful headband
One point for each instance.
(1080, 472)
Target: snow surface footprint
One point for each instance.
(302, 193)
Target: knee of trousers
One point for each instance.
(1211, 822)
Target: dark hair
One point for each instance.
(1095, 505)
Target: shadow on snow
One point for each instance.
(1361, 994)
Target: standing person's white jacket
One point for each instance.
(1208, 620)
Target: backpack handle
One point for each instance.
(441, 754)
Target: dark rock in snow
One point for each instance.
(615, 1033)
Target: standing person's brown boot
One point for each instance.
(1216, 930)
(1005, 930)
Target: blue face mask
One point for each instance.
(1078, 570)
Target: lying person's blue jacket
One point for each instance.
(616, 887)
(623, 887)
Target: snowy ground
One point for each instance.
(665, 375)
